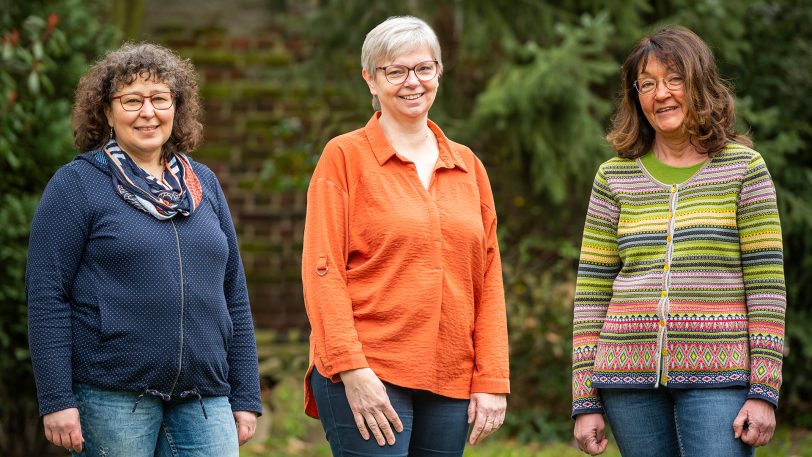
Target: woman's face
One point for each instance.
(143, 131)
(664, 108)
(413, 97)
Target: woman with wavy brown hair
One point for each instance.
(141, 334)
(680, 298)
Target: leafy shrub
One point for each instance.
(529, 86)
(46, 47)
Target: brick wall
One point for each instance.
(253, 130)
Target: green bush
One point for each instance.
(539, 129)
(46, 47)
(530, 86)
(774, 109)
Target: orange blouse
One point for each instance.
(400, 279)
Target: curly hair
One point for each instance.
(121, 67)
(710, 120)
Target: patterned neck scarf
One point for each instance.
(179, 192)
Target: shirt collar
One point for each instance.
(383, 151)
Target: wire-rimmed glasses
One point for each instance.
(398, 74)
(134, 102)
(647, 86)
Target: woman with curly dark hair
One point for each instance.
(141, 334)
(680, 298)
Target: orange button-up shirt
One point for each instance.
(401, 279)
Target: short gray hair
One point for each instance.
(394, 37)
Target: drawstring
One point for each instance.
(166, 397)
(195, 392)
(154, 393)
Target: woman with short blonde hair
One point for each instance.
(401, 271)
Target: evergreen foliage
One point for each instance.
(530, 86)
(47, 45)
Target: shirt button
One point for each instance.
(665, 379)
(670, 215)
(665, 267)
(665, 351)
(668, 238)
(662, 323)
(673, 188)
(665, 293)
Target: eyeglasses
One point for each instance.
(398, 74)
(647, 86)
(134, 102)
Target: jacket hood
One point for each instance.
(97, 158)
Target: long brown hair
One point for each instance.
(710, 113)
(121, 67)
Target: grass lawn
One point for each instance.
(785, 444)
(285, 431)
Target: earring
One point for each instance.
(112, 133)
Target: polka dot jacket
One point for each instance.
(123, 301)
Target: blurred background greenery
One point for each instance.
(530, 86)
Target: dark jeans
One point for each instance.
(433, 425)
(668, 422)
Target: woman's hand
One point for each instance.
(589, 433)
(370, 403)
(755, 423)
(63, 429)
(246, 422)
(487, 413)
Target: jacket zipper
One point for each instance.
(182, 299)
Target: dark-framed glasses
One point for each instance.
(398, 74)
(647, 86)
(134, 102)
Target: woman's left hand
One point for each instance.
(487, 413)
(755, 423)
(246, 425)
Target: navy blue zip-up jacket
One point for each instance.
(123, 301)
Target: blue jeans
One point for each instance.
(676, 422)
(433, 425)
(156, 429)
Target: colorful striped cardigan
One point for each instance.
(680, 285)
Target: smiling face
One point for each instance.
(142, 132)
(411, 99)
(665, 109)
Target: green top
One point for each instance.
(667, 174)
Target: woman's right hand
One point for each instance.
(370, 405)
(63, 429)
(589, 433)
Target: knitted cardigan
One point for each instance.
(680, 285)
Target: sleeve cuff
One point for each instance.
(333, 367)
(764, 392)
(586, 405)
(51, 403)
(490, 385)
(253, 407)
